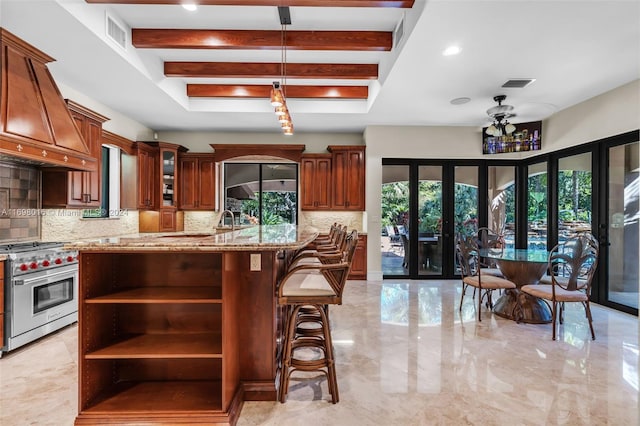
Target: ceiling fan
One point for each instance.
(500, 115)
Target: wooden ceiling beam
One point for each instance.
(405, 4)
(261, 39)
(263, 91)
(270, 70)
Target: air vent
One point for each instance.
(116, 33)
(518, 83)
(398, 33)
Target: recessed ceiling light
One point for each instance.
(190, 6)
(460, 101)
(451, 50)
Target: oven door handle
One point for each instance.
(45, 278)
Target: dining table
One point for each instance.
(522, 267)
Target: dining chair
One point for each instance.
(571, 267)
(470, 271)
(306, 291)
(489, 239)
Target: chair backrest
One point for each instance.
(337, 275)
(488, 238)
(391, 231)
(401, 229)
(573, 263)
(467, 255)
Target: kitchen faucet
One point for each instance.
(232, 218)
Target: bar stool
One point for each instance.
(330, 246)
(307, 290)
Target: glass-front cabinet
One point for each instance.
(158, 177)
(168, 177)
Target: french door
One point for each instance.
(618, 278)
(424, 206)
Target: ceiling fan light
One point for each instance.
(509, 128)
(491, 130)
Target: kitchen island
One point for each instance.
(180, 327)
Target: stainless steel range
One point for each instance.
(41, 290)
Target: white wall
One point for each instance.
(612, 113)
(118, 123)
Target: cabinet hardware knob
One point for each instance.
(44, 153)
(19, 148)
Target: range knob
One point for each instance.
(69, 258)
(33, 265)
(46, 263)
(24, 267)
(57, 261)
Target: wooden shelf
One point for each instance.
(162, 295)
(148, 346)
(158, 397)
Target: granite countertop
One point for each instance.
(263, 238)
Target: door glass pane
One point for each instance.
(623, 218)
(395, 216)
(465, 203)
(429, 244)
(502, 201)
(279, 194)
(537, 205)
(574, 195)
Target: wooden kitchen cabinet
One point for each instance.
(348, 177)
(315, 182)
(147, 176)
(158, 338)
(62, 189)
(197, 182)
(158, 188)
(359, 262)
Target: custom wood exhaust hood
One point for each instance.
(35, 124)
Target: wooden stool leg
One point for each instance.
(332, 380)
(287, 352)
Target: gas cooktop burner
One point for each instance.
(28, 246)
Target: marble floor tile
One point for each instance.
(405, 356)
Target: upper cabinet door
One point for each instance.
(348, 177)
(315, 182)
(197, 182)
(207, 183)
(147, 176)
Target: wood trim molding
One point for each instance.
(227, 151)
(270, 70)
(80, 109)
(158, 38)
(315, 3)
(126, 145)
(262, 91)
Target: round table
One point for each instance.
(522, 267)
